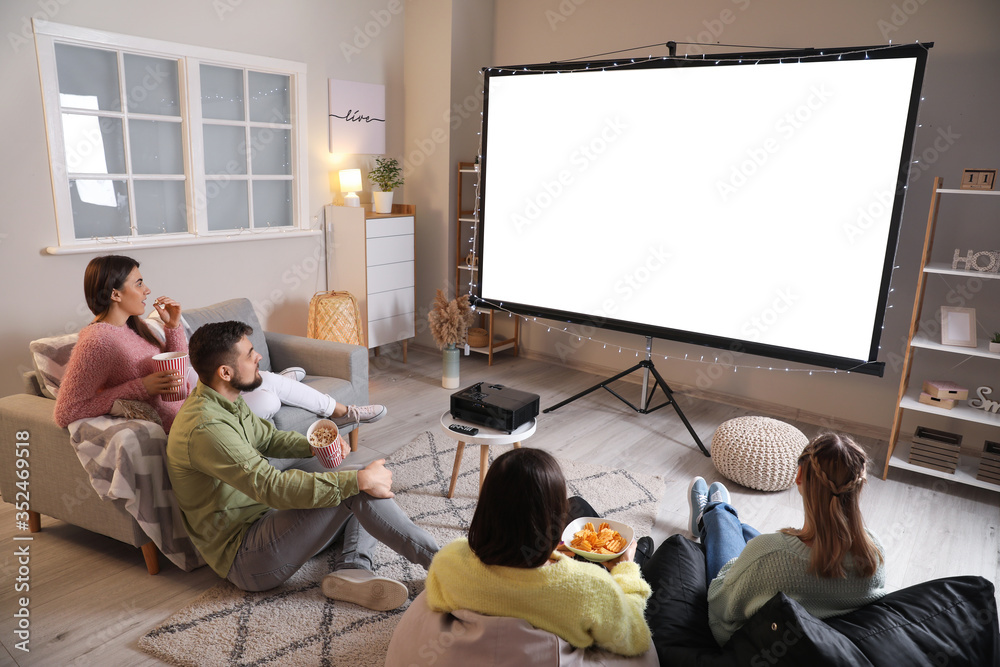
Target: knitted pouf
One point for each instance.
(758, 452)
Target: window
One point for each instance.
(154, 143)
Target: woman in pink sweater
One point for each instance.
(112, 359)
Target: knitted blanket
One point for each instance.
(126, 460)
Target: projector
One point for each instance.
(494, 406)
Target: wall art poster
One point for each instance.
(357, 117)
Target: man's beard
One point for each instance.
(239, 385)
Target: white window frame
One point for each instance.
(189, 60)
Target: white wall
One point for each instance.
(959, 131)
(43, 295)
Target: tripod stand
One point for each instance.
(644, 400)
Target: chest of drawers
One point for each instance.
(371, 255)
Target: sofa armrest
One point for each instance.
(24, 412)
(31, 386)
(321, 357)
(59, 487)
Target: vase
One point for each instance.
(994, 347)
(383, 201)
(449, 366)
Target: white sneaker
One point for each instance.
(361, 414)
(296, 373)
(364, 588)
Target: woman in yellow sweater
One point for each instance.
(509, 565)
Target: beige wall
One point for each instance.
(428, 58)
(43, 295)
(447, 41)
(959, 131)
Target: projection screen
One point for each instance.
(749, 202)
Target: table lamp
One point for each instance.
(350, 182)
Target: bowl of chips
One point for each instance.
(598, 539)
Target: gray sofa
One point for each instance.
(60, 487)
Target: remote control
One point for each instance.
(463, 429)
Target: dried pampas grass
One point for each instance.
(450, 320)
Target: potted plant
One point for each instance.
(387, 175)
(449, 323)
(995, 342)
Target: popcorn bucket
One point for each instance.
(173, 361)
(326, 443)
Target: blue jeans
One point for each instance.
(722, 536)
(280, 542)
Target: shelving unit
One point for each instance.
(466, 272)
(487, 321)
(908, 397)
(468, 176)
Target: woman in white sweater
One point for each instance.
(831, 565)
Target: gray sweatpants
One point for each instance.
(278, 543)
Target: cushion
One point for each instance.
(465, 638)
(677, 612)
(782, 632)
(758, 452)
(240, 310)
(678, 609)
(951, 621)
(50, 356)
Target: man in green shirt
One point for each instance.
(258, 505)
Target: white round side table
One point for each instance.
(486, 437)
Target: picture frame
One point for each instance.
(958, 326)
(357, 118)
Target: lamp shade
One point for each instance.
(350, 180)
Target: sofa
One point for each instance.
(60, 487)
(951, 621)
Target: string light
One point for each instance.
(719, 60)
(632, 61)
(700, 360)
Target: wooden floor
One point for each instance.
(91, 599)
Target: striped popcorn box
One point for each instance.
(173, 361)
(326, 443)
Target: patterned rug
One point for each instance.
(295, 624)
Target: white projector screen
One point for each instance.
(751, 205)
